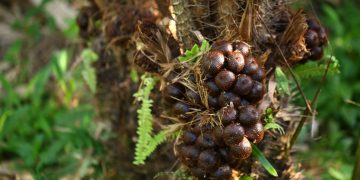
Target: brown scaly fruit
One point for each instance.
(234, 85)
(315, 39)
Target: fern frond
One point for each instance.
(156, 140)
(282, 82)
(146, 144)
(313, 69)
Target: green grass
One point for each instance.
(47, 122)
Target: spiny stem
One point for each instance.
(184, 22)
(313, 103)
(309, 107)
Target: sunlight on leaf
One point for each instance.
(270, 122)
(134, 75)
(282, 82)
(313, 69)
(195, 51)
(59, 66)
(61, 61)
(336, 174)
(88, 56)
(246, 178)
(90, 78)
(3, 118)
(205, 46)
(263, 161)
(72, 30)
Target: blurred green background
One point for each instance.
(330, 154)
(48, 123)
(47, 120)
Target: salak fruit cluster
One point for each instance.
(315, 39)
(234, 84)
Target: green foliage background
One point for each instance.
(332, 151)
(47, 122)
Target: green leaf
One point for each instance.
(44, 125)
(205, 46)
(268, 115)
(3, 118)
(313, 69)
(195, 51)
(37, 84)
(246, 178)
(263, 161)
(52, 152)
(334, 19)
(189, 55)
(68, 117)
(13, 52)
(11, 97)
(336, 174)
(282, 82)
(16, 121)
(72, 30)
(60, 62)
(134, 75)
(270, 121)
(275, 126)
(89, 76)
(59, 66)
(88, 56)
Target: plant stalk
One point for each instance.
(184, 23)
(313, 103)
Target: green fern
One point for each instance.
(146, 142)
(313, 69)
(282, 82)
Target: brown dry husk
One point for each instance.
(250, 22)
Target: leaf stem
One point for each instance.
(309, 107)
(307, 112)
